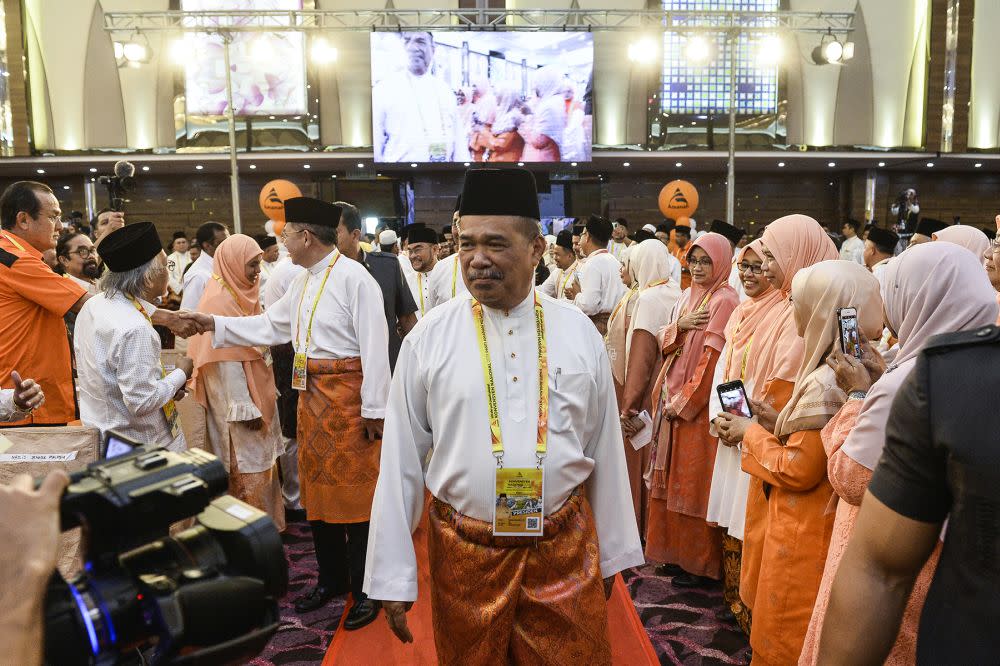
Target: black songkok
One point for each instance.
(306, 210)
(500, 192)
(130, 247)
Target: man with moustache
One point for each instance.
(78, 259)
(414, 112)
(422, 243)
(555, 285)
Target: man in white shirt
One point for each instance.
(600, 286)
(76, 255)
(878, 250)
(269, 260)
(446, 280)
(619, 240)
(177, 261)
(414, 112)
(207, 238)
(565, 273)
(122, 384)
(333, 315)
(584, 529)
(422, 246)
(853, 248)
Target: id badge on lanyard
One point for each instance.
(520, 496)
(438, 151)
(299, 362)
(170, 412)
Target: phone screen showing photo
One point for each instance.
(734, 401)
(117, 447)
(850, 339)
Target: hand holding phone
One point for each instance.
(734, 399)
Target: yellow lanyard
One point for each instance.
(743, 362)
(491, 391)
(569, 276)
(13, 242)
(298, 311)
(454, 275)
(232, 292)
(420, 288)
(624, 300)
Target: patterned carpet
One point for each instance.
(681, 622)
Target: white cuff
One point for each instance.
(242, 411)
(624, 561)
(177, 378)
(369, 413)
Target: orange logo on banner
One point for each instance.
(678, 199)
(272, 200)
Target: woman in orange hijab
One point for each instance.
(235, 384)
(680, 472)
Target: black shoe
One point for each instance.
(689, 580)
(668, 570)
(295, 515)
(361, 614)
(316, 598)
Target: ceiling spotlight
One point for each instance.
(626, 164)
(145, 168)
(253, 166)
(520, 164)
(881, 164)
(697, 49)
(361, 165)
(978, 165)
(930, 165)
(93, 169)
(321, 52)
(678, 165)
(306, 166)
(119, 50)
(642, 52)
(781, 164)
(135, 52)
(65, 187)
(198, 167)
(572, 163)
(39, 170)
(832, 50)
(769, 51)
(831, 164)
(413, 165)
(465, 163)
(333, 176)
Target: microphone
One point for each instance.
(124, 169)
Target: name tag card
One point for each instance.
(299, 372)
(520, 498)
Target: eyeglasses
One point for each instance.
(286, 231)
(84, 252)
(171, 265)
(700, 262)
(755, 269)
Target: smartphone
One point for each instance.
(850, 337)
(733, 396)
(115, 445)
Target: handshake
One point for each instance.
(184, 323)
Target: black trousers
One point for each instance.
(340, 554)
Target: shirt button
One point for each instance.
(515, 380)
(510, 331)
(513, 355)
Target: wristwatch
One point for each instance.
(857, 395)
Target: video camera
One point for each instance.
(206, 595)
(120, 184)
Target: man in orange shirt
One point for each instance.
(33, 301)
(682, 236)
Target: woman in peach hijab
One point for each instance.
(235, 384)
(792, 461)
(788, 245)
(748, 356)
(681, 462)
(957, 298)
(634, 352)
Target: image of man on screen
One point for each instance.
(414, 112)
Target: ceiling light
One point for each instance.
(572, 163)
(378, 175)
(119, 50)
(199, 167)
(321, 52)
(65, 187)
(306, 166)
(930, 165)
(333, 176)
(769, 51)
(781, 164)
(93, 169)
(361, 165)
(145, 168)
(831, 164)
(253, 166)
(678, 164)
(881, 164)
(697, 49)
(643, 52)
(39, 170)
(413, 165)
(180, 50)
(135, 52)
(520, 164)
(466, 163)
(978, 165)
(831, 50)
(626, 164)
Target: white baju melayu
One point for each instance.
(727, 498)
(600, 284)
(180, 261)
(557, 281)
(420, 287)
(91, 287)
(414, 119)
(120, 379)
(853, 249)
(618, 250)
(878, 270)
(438, 402)
(349, 323)
(195, 280)
(447, 281)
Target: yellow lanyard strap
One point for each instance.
(454, 276)
(13, 242)
(491, 391)
(569, 276)
(312, 314)
(232, 292)
(420, 289)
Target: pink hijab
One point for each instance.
(970, 238)
(721, 301)
(927, 290)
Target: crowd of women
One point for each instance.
(768, 503)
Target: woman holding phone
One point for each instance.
(748, 357)
(634, 352)
(959, 298)
(793, 462)
(684, 452)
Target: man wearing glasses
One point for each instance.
(77, 257)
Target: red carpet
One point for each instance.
(375, 644)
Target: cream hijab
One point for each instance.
(971, 238)
(927, 290)
(817, 292)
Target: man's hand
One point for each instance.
(204, 323)
(256, 424)
(395, 614)
(766, 414)
(27, 393)
(609, 585)
(177, 324)
(572, 290)
(186, 366)
(373, 428)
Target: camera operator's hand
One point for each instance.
(29, 523)
(186, 366)
(395, 614)
(27, 393)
